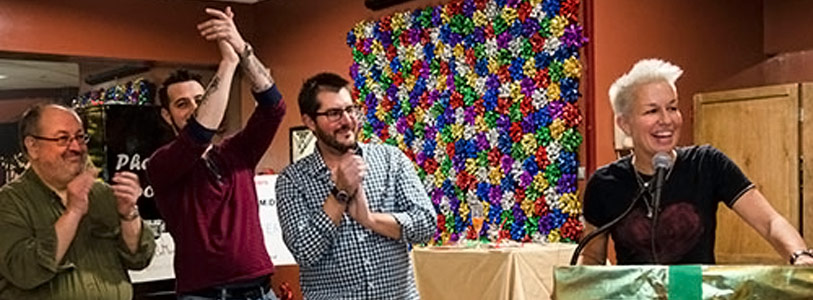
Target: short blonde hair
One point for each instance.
(644, 71)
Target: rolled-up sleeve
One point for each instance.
(416, 214)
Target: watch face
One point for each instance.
(342, 196)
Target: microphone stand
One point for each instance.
(656, 204)
(602, 229)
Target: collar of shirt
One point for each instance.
(33, 178)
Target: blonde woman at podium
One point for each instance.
(673, 190)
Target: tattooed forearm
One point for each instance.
(213, 86)
(215, 99)
(258, 74)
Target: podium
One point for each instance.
(683, 282)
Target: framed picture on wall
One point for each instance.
(302, 142)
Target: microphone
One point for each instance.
(661, 162)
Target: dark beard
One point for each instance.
(331, 141)
(175, 126)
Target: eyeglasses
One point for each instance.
(336, 114)
(65, 140)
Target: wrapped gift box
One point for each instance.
(683, 282)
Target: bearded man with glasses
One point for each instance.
(63, 234)
(348, 218)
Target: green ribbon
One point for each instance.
(421, 174)
(544, 28)
(450, 222)
(426, 17)
(357, 55)
(482, 158)
(437, 109)
(491, 118)
(556, 71)
(469, 96)
(420, 129)
(531, 225)
(571, 139)
(445, 165)
(685, 282)
(531, 193)
(499, 25)
(527, 50)
(552, 173)
(434, 67)
(406, 107)
(515, 112)
(543, 136)
(517, 152)
(406, 68)
(459, 81)
(446, 134)
(505, 57)
(479, 51)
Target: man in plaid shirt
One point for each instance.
(349, 210)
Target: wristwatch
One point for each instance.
(796, 254)
(341, 195)
(130, 216)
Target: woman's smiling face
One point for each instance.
(653, 120)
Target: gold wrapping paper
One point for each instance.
(521, 272)
(657, 282)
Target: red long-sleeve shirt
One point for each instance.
(209, 202)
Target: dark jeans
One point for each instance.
(257, 289)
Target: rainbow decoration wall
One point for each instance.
(482, 96)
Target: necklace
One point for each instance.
(644, 185)
(647, 184)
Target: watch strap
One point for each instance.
(340, 195)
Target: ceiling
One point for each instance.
(29, 74)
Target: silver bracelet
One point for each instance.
(796, 254)
(247, 51)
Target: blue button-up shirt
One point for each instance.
(349, 261)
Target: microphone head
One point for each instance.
(661, 160)
(357, 150)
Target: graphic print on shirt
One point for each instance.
(679, 230)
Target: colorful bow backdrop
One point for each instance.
(138, 92)
(481, 95)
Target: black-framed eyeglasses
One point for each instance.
(65, 140)
(335, 114)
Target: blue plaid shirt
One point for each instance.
(349, 261)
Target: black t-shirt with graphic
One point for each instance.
(701, 177)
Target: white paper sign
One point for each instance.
(161, 266)
(269, 220)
